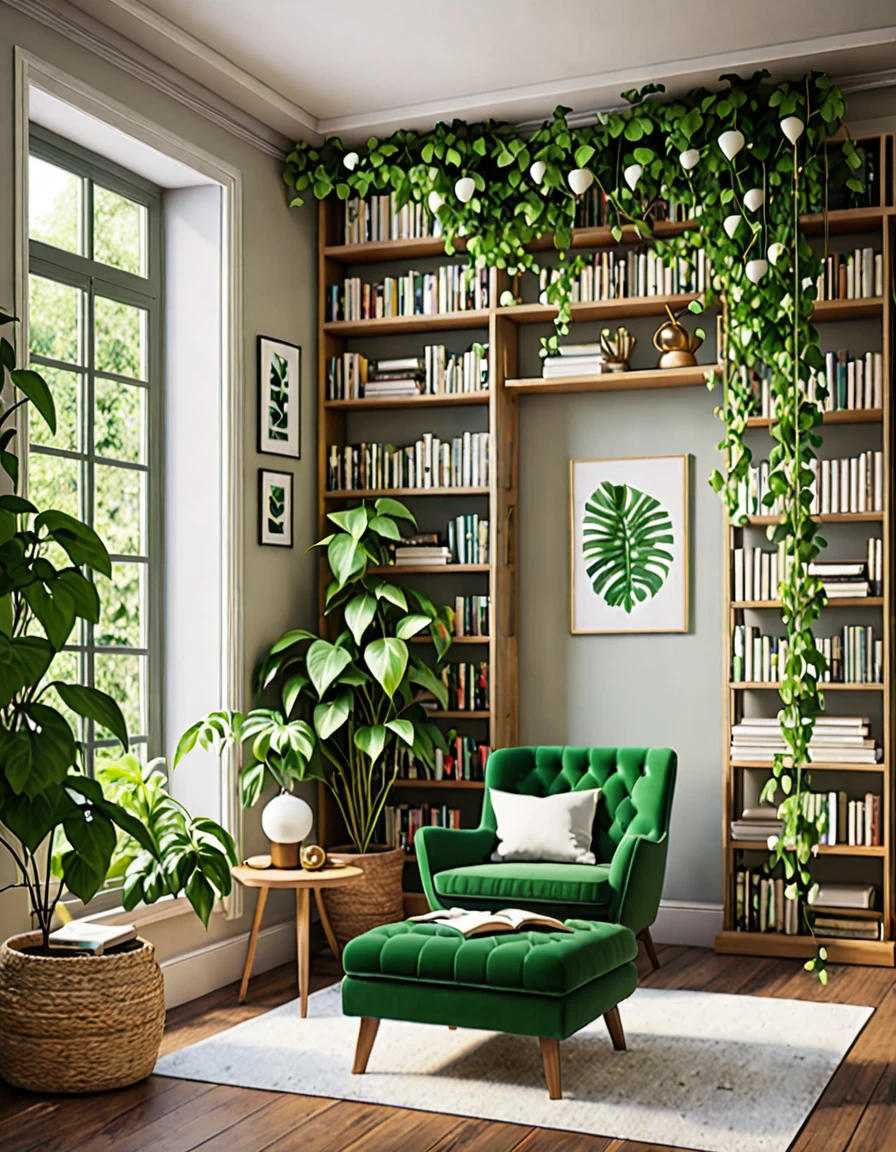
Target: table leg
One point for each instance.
(253, 942)
(325, 922)
(303, 917)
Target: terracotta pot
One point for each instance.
(373, 899)
(78, 1024)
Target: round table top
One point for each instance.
(294, 877)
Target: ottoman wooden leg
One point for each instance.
(550, 1055)
(614, 1027)
(366, 1037)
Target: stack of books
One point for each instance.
(835, 740)
(574, 360)
(846, 911)
(857, 275)
(757, 823)
(423, 550)
(848, 579)
(403, 376)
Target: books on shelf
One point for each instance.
(844, 926)
(852, 484)
(856, 823)
(450, 288)
(472, 615)
(437, 372)
(401, 822)
(757, 823)
(469, 540)
(756, 573)
(489, 923)
(835, 740)
(465, 760)
(839, 897)
(380, 218)
(615, 274)
(856, 275)
(853, 657)
(468, 686)
(853, 578)
(760, 904)
(592, 210)
(463, 462)
(452, 373)
(845, 385)
(574, 360)
(421, 556)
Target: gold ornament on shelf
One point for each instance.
(312, 857)
(675, 344)
(617, 349)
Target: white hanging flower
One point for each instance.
(756, 269)
(464, 189)
(538, 170)
(754, 198)
(350, 160)
(793, 128)
(435, 201)
(775, 252)
(580, 180)
(632, 175)
(731, 224)
(731, 143)
(689, 159)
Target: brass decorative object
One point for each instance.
(312, 857)
(258, 862)
(617, 349)
(675, 344)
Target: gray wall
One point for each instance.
(279, 261)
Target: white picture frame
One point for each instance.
(279, 398)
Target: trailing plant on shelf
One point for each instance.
(364, 689)
(743, 163)
(56, 822)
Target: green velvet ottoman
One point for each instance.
(544, 984)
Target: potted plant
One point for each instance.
(74, 1022)
(365, 691)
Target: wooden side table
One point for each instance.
(304, 883)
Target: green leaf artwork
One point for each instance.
(278, 399)
(277, 510)
(623, 544)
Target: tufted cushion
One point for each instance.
(636, 786)
(527, 883)
(544, 963)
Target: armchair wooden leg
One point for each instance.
(651, 947)
(614, 1026)
(550, 1055)
(366, 1036)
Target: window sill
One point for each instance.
(164, 909)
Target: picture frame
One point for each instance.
(279, 398)
(629, 545)
(275, 502)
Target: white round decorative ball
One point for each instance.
(775, 252)
(464, 189)
(756, 269)
(754, 198)
(731, 143)
(350, 160)
(286, 819)
(632, 175)
(580, 180)
(793, 128)
(689, 159)
(435, 201)
(731, 224)
(538, 170)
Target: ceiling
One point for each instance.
(315, 67)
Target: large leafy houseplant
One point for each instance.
(363, 688)
(47, 563)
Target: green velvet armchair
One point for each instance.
(629, 840)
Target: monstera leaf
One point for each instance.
(624, 530)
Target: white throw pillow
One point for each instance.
(555, 828)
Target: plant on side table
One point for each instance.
(365, 691)
(66, 830)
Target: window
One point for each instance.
(94, 328)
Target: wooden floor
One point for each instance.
(856, 1113)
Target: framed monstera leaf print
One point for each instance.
(279, 398)
(275, 508)
(629, 544)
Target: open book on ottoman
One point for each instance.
(489, 923)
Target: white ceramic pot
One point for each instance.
(286, 821)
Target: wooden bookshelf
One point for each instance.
(869, 864)
(613, 381)
(459, 400)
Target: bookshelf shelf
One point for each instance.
(824, 518)
(459, 714)
(598, 309)
(452, 785)
(839, 602)
(441, 400)
(360, 493)
(878, 953)
(845, 220)
(773, 686)
(868, 308)
(454, 640)
(395, 325)
(427, 569)
(839, 416)
(824, 849)
(813, 767)
(614, 381)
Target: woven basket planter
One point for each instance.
(78, 1023)
(373, 899)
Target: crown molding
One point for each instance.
(81, 28)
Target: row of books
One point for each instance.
(848, 384)
(380, 218)
(469, 539)
(593, 211)
(402, 821)
(850, 484)
(420, 551)
(468, 543)
(450, 288)
(464, 462)
(467, 684)
(835, 740)
(856, 823)
(845, 579)
(857, 275)
(615, 275)
(756, 573)
(465, 760)
(760, 906)
(854, 657)
(472, 615)
(438, 372)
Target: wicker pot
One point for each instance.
(373, 899)
(78, 1023)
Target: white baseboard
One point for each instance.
(686, 922)
(205, 969)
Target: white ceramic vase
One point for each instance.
(286, 821)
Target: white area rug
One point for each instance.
(708, 1071)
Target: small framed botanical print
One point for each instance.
(279, 397)
(275, 508)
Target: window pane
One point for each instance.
(120, 338)
(56, 319)
(124, 679)
(66, 390)
(119, 230)
(65, 666)
(119, 502)
(54, 482)
(55, 206)
(120, 421)
(122, 607)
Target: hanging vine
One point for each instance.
(742, 163)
